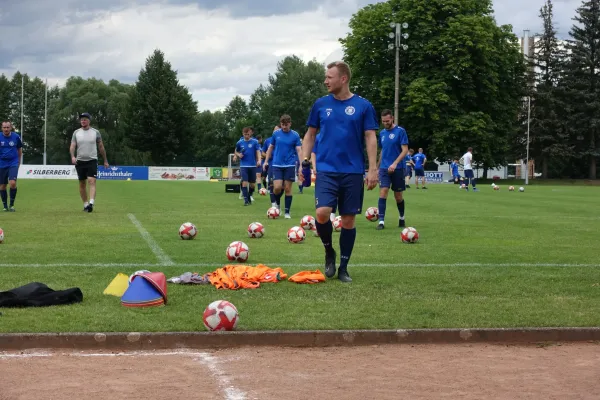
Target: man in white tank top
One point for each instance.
(467, 160)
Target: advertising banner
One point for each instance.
(47, 172)
(172, 173)
(123, 173)
(202, 173)
(434, 177)
(216, 173)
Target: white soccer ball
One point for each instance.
(238, 251)
(140, 272)
(496, 187)
(409, 235)
(273, 213)
(220, 315)
(337, 223)
(1, 236)
(308, 223)
(296, 234)
(462, 186)
(372, 214)
(521, 189)
(187, 231)
(511, 188)
(256, 230)
(493, 184)
(262, 192)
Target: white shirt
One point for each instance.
(467, 158)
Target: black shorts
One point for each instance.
(86, 169)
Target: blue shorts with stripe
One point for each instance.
(395, 180)
(248, 174)
(284, 173)
(344, 190)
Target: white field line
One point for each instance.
(287, 265)
(210, 362)
(163, 258)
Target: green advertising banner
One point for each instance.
(216, 173)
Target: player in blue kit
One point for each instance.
(11, 150)
(259, 178)
(393, 142)
(285, 147)
(313, 160)
(346, 121)
(455, 174)
(419, 160)
(248, 151)
(269, 171)
(409, 167)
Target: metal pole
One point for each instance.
(527, 157)
(45, 120)
(397, 83)
(22, 107)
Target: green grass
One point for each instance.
(487, 259)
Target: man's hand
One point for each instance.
(300, 176)
(73, 160)
(258, 163)
(392, 168)
(235, 158)
(105, 164)
(371, 179)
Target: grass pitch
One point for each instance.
(487, 259)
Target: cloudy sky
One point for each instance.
(220, 49)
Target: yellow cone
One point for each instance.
(118, 286)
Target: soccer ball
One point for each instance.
(521, 189)
(256, 230)
(136, 273)
(220, 315)
(337, 223)
(238, 251)
(372, 214)
(462, 186)
(262, 192)
(188, 231)
(1, 236)
(308, 223)
(511, 188)
(273, 213)
(296, 235)
(493, 185)
(409, 235)
(496, 187)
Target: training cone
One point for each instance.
(146, 290)
(118, 286)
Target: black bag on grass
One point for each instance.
(37, 294)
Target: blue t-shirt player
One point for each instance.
(248, 151)
(393, 142)
(11, 151)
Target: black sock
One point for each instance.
(13, 195)
(325, 232)
(347, 238)
(251, 191)
(278, 198)
(245, 194)
(401, 208)
(288, 204)
(3, 195)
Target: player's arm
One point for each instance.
(102, 151)
(371, 143)
(72, 149)
(258, 155)
(403, 154)
(309, 141)
(313, 160)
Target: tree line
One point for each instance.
(463, 82)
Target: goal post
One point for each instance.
(233, 168)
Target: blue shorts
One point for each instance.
(419, 172)
(248, 174)
(395, 180)
(344, 190)
(284, 174)
(8, 174)
(469, 174)
(408, 172)
(456, 177)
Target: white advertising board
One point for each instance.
(47, 172)
(172, 173)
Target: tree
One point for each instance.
(160, 114)
(214, 141)
(5, 94)
(461, 77)
(582, 84)
(237, 116)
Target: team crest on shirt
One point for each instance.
(350, 110)
(392, 136)
(11, 143)
(249, 146)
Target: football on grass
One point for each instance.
(220, 315)
(273, 213)
(262, 192)
(238, 251)
(187, 231)
(409, 235)
(308, 223)
(1, 236)
(256, 230)
(337, 224)
(296, 235)
(372, 214)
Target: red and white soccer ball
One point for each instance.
(496, 187)
(256, 230)
(1, 236)
(308, 223)
(262, 192)
(220, 315)
(409, 235)
(372, 214)
(238, 251)
(187, 231)
(273, 213)
(511, 188)
(462, 186)
(337, 223)
(296, 234)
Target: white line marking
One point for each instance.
(231, 393)
(300, 265)
(163, 258)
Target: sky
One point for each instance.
(219, 49)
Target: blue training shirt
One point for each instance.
(418, 159)
(248, 149)
(284, 152)
(342, 125)
(407, 159)
(9, 153)
(390, 142)
(265, 147)
(454, 167)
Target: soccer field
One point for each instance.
(487, 259)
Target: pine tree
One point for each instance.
(582, 86)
